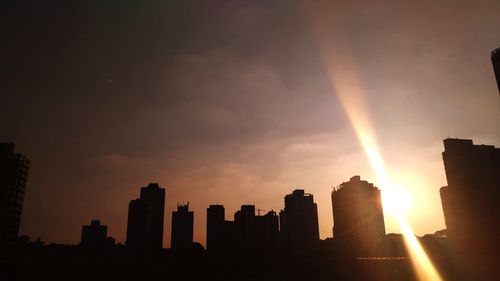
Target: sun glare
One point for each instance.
(395, 200)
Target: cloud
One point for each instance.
(231, 97)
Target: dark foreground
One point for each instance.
(75, 263)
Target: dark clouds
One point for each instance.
(228, 96)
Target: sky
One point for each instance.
(232, 102)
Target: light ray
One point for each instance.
(345, 82)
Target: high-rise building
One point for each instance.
(282, 235)
(472, 198)
(357, 215)
(266, 231)
(138, 224)
(94, 235)
(145, 219)
(244, 220)
(182, 228)
(215, 227)
(495, 59)
(13, 178)
(300, 221)
(247, 232)
(155, 196)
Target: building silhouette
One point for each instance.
(14, 169)
(182, 228)
(145, 219)
(95, 236)
(215, 227)
(222, 235)
(358, 216)
(299, 221)
(244, 220)
(138, 224)
(495, 59)
(471, 201)
(246, 233)
(266, 231)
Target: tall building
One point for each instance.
(215, 227)
(300, 221)
(357, 215)
(138, 224)
(244, 220)
(145, 219)
(266, 231)
(472, 198)
(155, 196)
(495, 59)
(247, 232)
(95, 235)
(182, 228)
(13, 178)
(282, 235)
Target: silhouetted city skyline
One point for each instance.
(469, 204)
(250, 140)
(357, 209)
(356, 204)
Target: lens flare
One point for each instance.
(396, 201)
(342, 74)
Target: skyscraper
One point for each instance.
(145, 219)
(13, 178)
(155, 196)
(182, 228)
(495, 59)
(244, 220)
(215, 227)
(472, 198)
(357, 214)
(300, 221)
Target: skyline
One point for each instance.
(355, 180)
(163, 109)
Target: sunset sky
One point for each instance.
(235, 102)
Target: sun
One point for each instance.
(396, 201)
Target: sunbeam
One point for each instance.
(346, 84)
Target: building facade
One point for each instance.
(358, 215)
(182, 228)
(266, 231)
(244, 220)
(14, 169)
(145, 219)
(299, 221)
(215, 227)
(247, 232)
(138, 224)
(471, 200)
